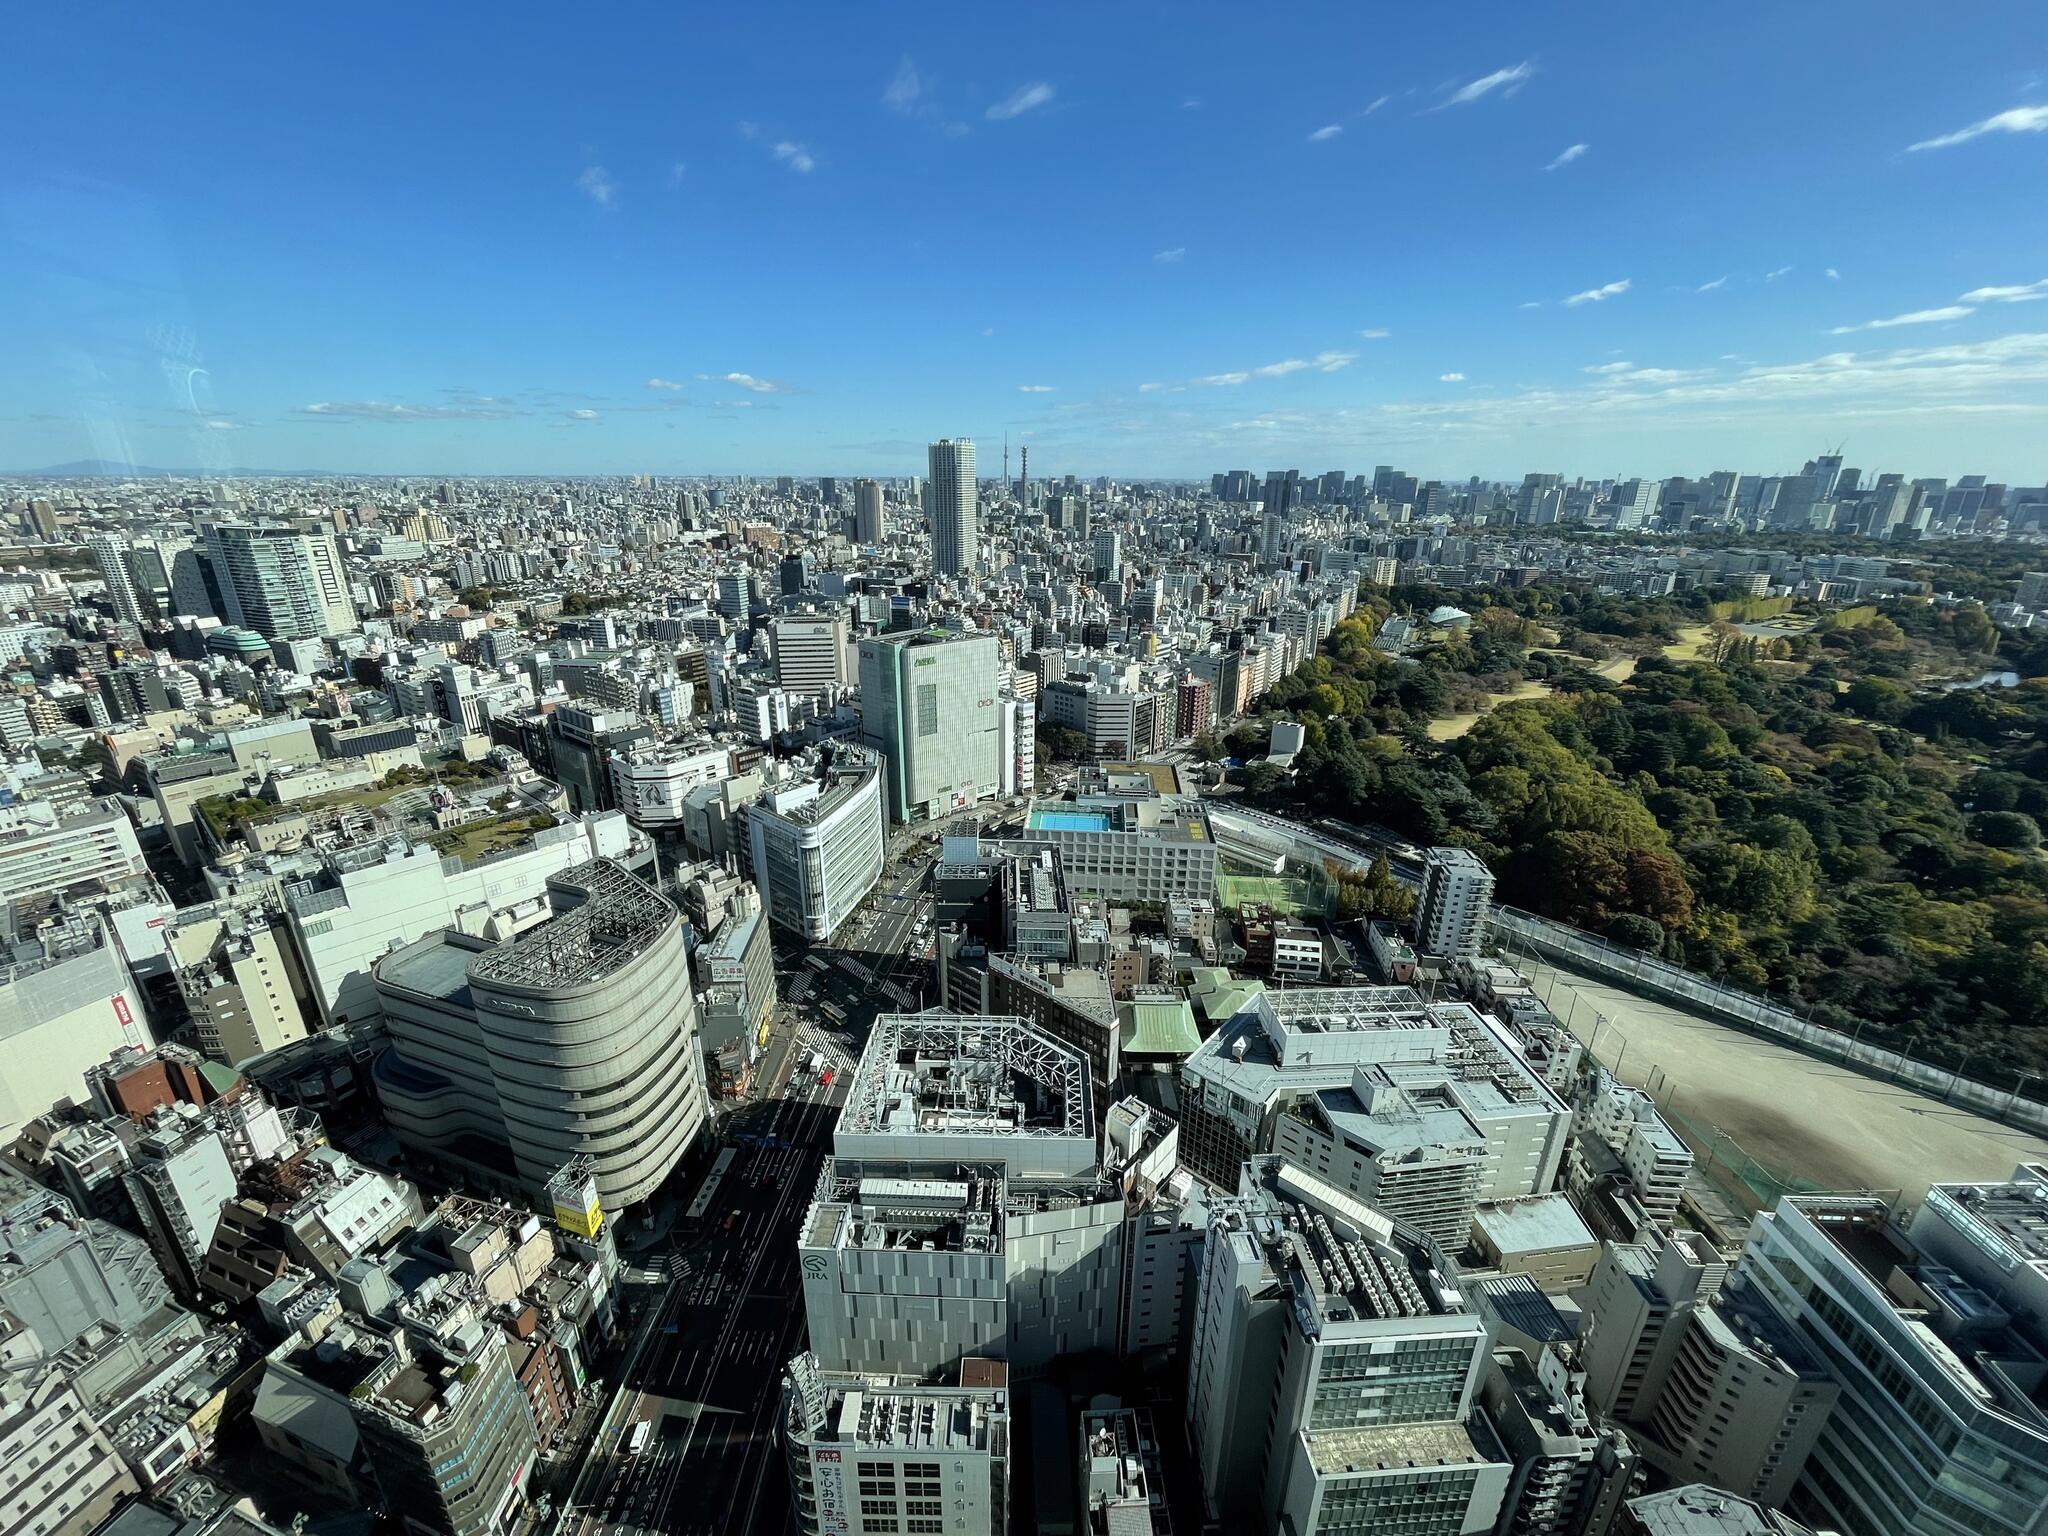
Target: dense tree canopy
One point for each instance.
(1810, 812)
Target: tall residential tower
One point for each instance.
(955, 515)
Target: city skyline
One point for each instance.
(1177, 241)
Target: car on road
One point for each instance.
(732, 1221)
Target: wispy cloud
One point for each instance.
(1450, 378)
(2012, 293)
(1831, 275)
(904, 88)
(1719, 282)
(748, 130)
(1916, 317)
(663, 384)
(1191, 104)
(1631, 374)
(1169, 256)
(1568, 156)
(581, 413)
(1327, 131)
(1374, 105)
(1607, 368)
(1530, 304)
(748, 381)
(1509, 80)
(1026, 98)
(391, 410)
(596, 184)
(222, 424)
(1598, 295)
(676, 172)
(1375, 333)
(2013, 120)
(795, 156)
(1323, 362)
(1777, 272)
(1035, 389)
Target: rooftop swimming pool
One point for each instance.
(1069, 821)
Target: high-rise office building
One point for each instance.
(950, 499)
(110, 556)
(928, 705)
(1348, 1338)
(819, 842)
(1108, 552)
(867, 512)
(810, 653)
(282, 582)
(1934, 1332)
(1457, 889)
(576, 1039)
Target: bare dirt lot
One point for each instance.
(1795, 1115)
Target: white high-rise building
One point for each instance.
(955, 513)
(1348, 1338)
(109, 554)
(282, 582)
(1457, 889)
(810, 653)
(819, 843)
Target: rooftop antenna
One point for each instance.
(1006, 458)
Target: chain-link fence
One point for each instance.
(2010, 1102)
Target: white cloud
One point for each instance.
(1237, 377)
(1916, 317)
(1167, 258)
(218, 425)
(388, 410)
(2013, 120)
(1568, 156)
(1327, 131)
(1035, 389)
(676, 172)
(2011, 293)
(750, 381)
(1530, 304)
(1450, 378)
(1025, 98)
(1832, 275)
(735, 405)
(1598, 295)
(663, 384)
(1375, 333)
(1719, 282)
(748, 130)
(1192, 104)
(1329, 361)
(1776, 273)
(1377, 103)
(581, 414)
(903, 89)
(795, 156)
(1509, 80)
(1150, 389)
(597, 184)
(1607, 368)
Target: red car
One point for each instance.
(825, 1078)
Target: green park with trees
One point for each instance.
(1818, 812)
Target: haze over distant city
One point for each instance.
(1145, 241)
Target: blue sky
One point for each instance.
(1144, 239)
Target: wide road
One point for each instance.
(710, 1385)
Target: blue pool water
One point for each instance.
(1069, 821)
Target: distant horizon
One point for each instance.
(1200, 481)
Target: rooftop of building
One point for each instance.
(1335, 1452)
(946, 1208)
(842, 771)
(1533, 1224)
(2011, 1215)
(939, 1074)
(611, 918)
(1698, 1510)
